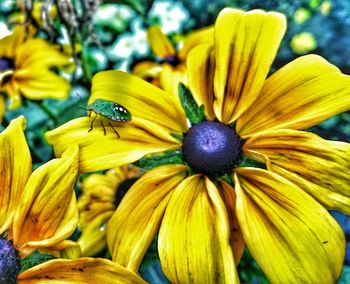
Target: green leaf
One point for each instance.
(155, 160)
(34, 259)
(194, 113)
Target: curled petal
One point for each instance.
(137, 218)
(82, 270)
(48, 213)
(15, 169)
(318, 166)
(299, 95)
(245, 46)
(292, 237)
(194, 238)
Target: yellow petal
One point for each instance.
(147, 70)
(245, 47)
(194, 238)
(236, 237)
(170, 77)
(48, 214)
(292, 237)
(195, 38)
(93, 237)
(15, 169)
(36, 84)
(136, 220)
(318, 166)
(160, 43)
(99, 151)
(200, 64)
(83, 270)
(9, 45)
(299, 95)
(2, 108)
(12, 90)
(141, 98)
(38, 52)
(66, 249)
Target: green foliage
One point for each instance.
(194, 113)
(156, 160)
(34, 259)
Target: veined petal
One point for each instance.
(2, 108)
(141, 98)
(38, 52)
(160, 43)
(236, 237)
(37, 84)
(301, 94)
(194, 38)
(170, 77)
(318, 166)
(245, 46)
(15, 169)
(194, 238)
(200, 64)
(93, 238)
(9, 44)
(99, 152)
(136, 220)
(292, 237)
(48, 214)
(82, 270)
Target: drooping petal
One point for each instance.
(39, 53)
(160, 43)
(195, 38)
(194, 238)
(318, 166)
(15, 169)
(99, 152)
(12, 90)
(82, 270)
(236, 237)
(245, 47)
(170, 78)
(141, 98)
(136, 220)
(48, 214)
(292, 237)
(93, 238)
(37, 84)
(200, 71)
(301, 94)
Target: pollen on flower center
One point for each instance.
(6, 64)
(212, 148)
(9, 262)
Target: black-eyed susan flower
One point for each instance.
(205, 203)
(101, 194)
(25, 64)
(170, 68)
(39, 212)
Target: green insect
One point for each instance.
(109, 110)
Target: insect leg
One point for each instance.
(104, 129)
(92, 123)
(116, 132)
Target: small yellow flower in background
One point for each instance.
(101, 195)
(171, 70)
(25, 64)
(205, 220)
(39, 211)
(303, 43)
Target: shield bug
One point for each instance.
(110, 110)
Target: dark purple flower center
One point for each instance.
(10, 264)
(172, 60)
(6, 64)
(212, 148)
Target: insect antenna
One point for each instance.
(115, 131)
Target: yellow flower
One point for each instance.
(39, 211)
(203, 221)
(171, 67)
(101, 194)
(25, 64)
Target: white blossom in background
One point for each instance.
(4, 31)
(171, 15)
